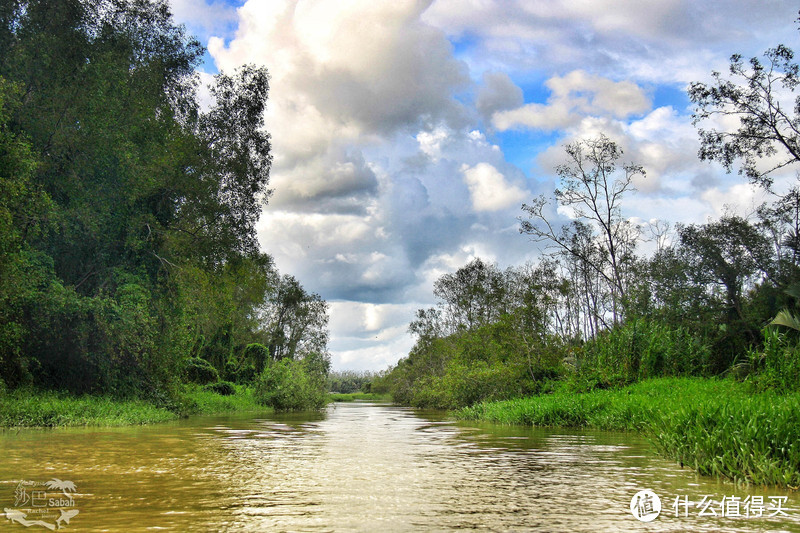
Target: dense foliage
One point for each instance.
(292, 385)
(129, 261)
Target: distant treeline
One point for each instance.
(599, 309)
(349, 381)
(129, 262)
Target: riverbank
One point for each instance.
(35, 408)
(718, 427)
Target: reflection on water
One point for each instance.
(364, 467)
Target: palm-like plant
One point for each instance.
(785, 317)
(64, 486)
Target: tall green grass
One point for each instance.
(750, 439)
(204, 401)
(718, 427)
(51, 409)
(640, 349)
(36, 408)
(777, 365)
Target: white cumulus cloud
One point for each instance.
(574, 96)
(489, 189)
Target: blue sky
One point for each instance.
(406, 134)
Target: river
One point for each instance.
(360, 467)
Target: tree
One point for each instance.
(727, 257)
(23, 210)
(108, 89)
(296, 321)
(593, 186)
(781, 221)
(472, 296)
(230, 188)
(727, 263)
(759, 96)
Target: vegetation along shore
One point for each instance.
(718, 427)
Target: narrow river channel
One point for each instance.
(362, 467)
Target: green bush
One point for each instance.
(286, 385)
(200, 371)
(255, 355)
(223, 388)
(244, 372)
(464, 384)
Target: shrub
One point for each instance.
(200, 371)
(223, 388)
(464, 384)
(255, 355)
(287, 386)
(244, 372)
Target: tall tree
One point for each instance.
(472, 296)
(296, 321)
(726, 257)
(593, 185)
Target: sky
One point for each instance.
(407, 134)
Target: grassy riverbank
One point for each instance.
(34, 408)
(25, 408)
(718, 427)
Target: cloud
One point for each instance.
(369, 257)
(740, 199)
(370, 336)
(432, 142)
(662, 141)
(351, 82)
(649, 40)
(336, 180)
(344, 77)
(573, 96)
(371, 67)
(489, 189)
(497, 93)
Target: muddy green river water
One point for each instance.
(361, 467)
